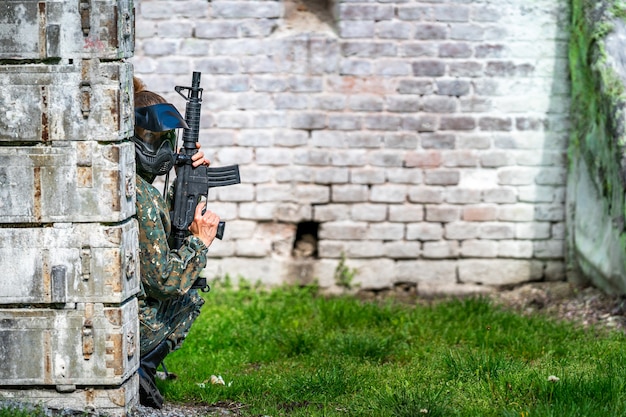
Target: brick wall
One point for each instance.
(424, 141)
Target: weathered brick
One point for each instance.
(550, 249)
(331, 212)
(293, 213)
(424, 231)
(356, 67)
(332, 176)
(403, 103)
(421, 123)
(288, 173)
(257, 211)
(254, 248)
(367, 176)
(495, 123)
(217, 29)
(400, 141)
(382, 122)
(497, 231)
(455, 87)
(423, 159)
(368, 49)
(438, 141)
(365, 249)
(406, 213)
(403, 175)
(500, 195)
(412, 86)
(412, 12)
(533, 230)
(497, 272)
(364, 139)
(467, 69)
(331, 102)
(442, 213)
(372, 12)
(312, 194)
(385, 231)
(442, 177)
(451, 13)
(457, 123)
(441, 249)
(516, 212)
(549, 212)
(272, 192)
(427, 271)
(269, 83)
(365, 102)
(419, 49)
(393, 30)
(480, 213)
(290, 101)
(461, 158)
(349, 193)
(479, 248)
(328, 139)
(308, 120)
(350, 157)
(369, 212)
(402, 250)
(386, 158)
(516, 176)
(461, 230)
(290, 138)
(343, 230)
(467, 32)
(428, 68)
(247, 9)
(515, 249)
(439, 104)
(429, 31)
(345, 122)
(455, 50)
(390, 193)
(423, 194)
(358, 29)
(461, 195)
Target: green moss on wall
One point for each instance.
(598, 99)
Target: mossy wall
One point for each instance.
(596, 183)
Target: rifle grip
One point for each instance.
(220, 230)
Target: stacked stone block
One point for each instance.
(68, 243)
(422, 141)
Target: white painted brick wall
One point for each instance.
(426, 139)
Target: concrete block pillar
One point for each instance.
(69, 333)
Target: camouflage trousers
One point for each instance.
(169, 320)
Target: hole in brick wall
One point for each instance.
(308, 15)
(305, 243)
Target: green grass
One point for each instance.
(289, 352)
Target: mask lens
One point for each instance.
(152, 141)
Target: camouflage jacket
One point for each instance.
(164, 273)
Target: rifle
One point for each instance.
(192, 183)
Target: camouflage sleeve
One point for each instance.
(164, 273)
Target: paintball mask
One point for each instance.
(155, 152)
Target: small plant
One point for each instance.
(344, 275)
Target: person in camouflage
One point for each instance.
(168, 305)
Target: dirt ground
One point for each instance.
(583, 305)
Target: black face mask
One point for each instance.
(156, 156)
(153, 160)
